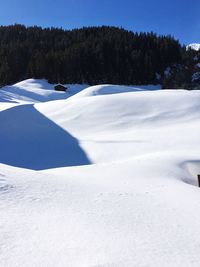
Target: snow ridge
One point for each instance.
(194, 46)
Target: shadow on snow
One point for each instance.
(30, 140)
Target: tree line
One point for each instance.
(92, 55)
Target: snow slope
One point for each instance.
(194, 46)
(105, 178)
(32, 91)
(108, 89)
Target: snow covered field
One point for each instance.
(102, 177)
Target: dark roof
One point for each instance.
(60, 86)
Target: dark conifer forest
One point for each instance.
(94, 55)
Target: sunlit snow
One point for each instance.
(105, 176)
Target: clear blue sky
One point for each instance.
(180, 18)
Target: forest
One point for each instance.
(95, 55)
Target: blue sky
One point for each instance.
(179, 18)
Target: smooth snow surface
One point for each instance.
(107, 178)
(108, 89)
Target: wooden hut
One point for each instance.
(60, 87)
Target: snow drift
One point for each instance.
(116, 179)
(32, 91)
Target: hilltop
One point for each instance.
(194, 46)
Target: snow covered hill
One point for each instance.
(107, 177)
(194, 46)
(32, 91)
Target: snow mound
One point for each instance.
(121, 126)
(107, 89)
(193, 167)
(33, 91)
(111, 179)
(194, 46)
(34, 84)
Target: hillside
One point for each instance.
(33, 91)
(96, 55)
(105, 177)
(194, 46)
(92, 55)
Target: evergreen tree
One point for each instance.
(89, 55)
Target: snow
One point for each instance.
(194, 46)
(168, 72)
(196, 77)
(108, 89)
(107, 177)
(32, 91)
